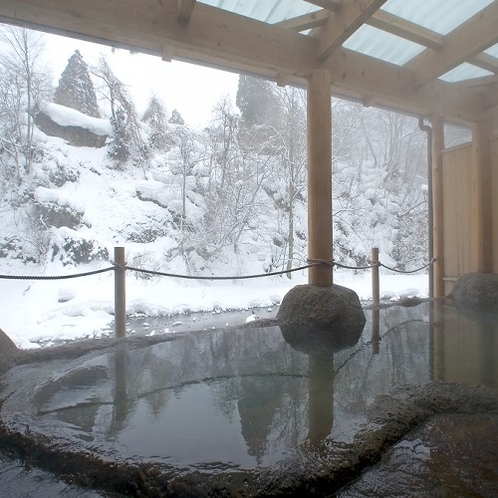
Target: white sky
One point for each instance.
(192, 90)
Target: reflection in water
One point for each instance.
(321, 397)
(375, 330)
(245, 398)
(465, 345)
(120, 400)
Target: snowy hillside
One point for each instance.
(83, 172)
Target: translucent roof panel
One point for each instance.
(382, 45)
(269, 11)
(441, 16)
(464, 72)
(492, 51)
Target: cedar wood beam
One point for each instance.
(405, 29)
(344, 23)
(332, 5)
(185, 9)
(220, 39)
(476, 35)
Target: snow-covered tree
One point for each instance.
(127, 141)
(176, 118)
(155, 117)
(24, 83)
(233, 187)
(379, 175)
(75, 88)
(288, 185)
(260, 114)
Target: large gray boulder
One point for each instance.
(321, 320)
(479, 289)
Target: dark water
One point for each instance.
(229, 400)
(19, 480)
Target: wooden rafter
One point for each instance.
(344, 23)
(391, 24)
(405, 29)
(306, 21)
(474, 36)
(485, 61)
(332, 5)
(218, 38)
(185, 9)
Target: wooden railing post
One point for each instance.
(119, 292)
(374, 261)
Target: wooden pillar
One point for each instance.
(437, 203)
(119, 292)
(481, 162)
(320, 176)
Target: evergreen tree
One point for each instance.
(176, 118)
(260, 111)
(119, 148)
(257, 101)
(75, 89)
(155, 117)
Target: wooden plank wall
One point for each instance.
(494, 201)
(460, 245)
(458, 201)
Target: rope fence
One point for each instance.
(120, 268)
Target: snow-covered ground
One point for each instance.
(41, 311)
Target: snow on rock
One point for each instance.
(56, 196)
(155, 191)
(65, 116)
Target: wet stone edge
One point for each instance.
(317, 472)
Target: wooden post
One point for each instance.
(481, 162)
(119, 292)
(437, 203)
(374, 261)
(320, 176)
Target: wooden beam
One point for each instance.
(491, 97)
(332, 5)
(381, 20)
(437, 203)
(405, 29)
(320, 177)
(485, 61)
(385, 84)
(185, 9)
(220, 39)
(483, 81)
(344, 23)
(471, 38)
(307, 21)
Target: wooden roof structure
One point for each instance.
(276, 40)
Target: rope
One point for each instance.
(373, 265)
(193, 277)
(55, 277)
(408, 271)
(312, 262)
